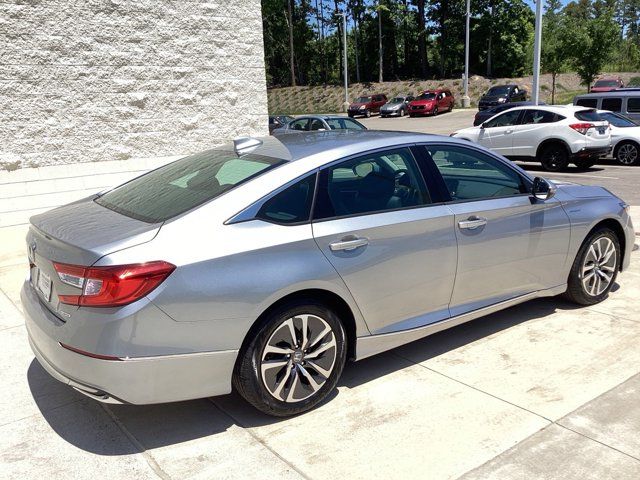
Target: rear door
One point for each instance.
(508, 243)
(497, 133)
(395, 250)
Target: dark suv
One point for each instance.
(502, 94)
(367, 105)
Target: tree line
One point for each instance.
(391, 40)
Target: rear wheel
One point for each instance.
(294, 361)
(595, 268)
(554, 158)
(627, 153)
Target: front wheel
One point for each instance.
(367, 113)
(294, 360)
(435, 111)
(627, 153)
(595, 268)
(402, 112)
(554, 158)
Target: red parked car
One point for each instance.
(432, 102)
(367, 105)
(607, 84)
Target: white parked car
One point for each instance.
(552, 135)
(625, 137)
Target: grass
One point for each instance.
(566, 96)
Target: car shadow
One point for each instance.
(154, 426)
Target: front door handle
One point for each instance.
(348, 243)
(472, 223)
(508, 131)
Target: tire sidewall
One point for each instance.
(258, 394)
(635, 162)
(561, 164)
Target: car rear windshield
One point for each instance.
(184, 184)
(498, 90)
(606, 83)
(588, 116)
(427, 96)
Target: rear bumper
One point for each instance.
(140, 380)
(591, 153)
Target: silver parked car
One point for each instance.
(268, 264)
(396, 106)
(312, 123)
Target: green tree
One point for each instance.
(592, 43)
(556, 52)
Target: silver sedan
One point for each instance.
(267, 264)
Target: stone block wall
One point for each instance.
(97, 80)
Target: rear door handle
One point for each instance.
(347, 244)
(472, 223)
(508, 131)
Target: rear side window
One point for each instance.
(633, 105)
(184, 184)
(588, 102)
(539, 116)
(292, 205)
(588, 116)
(612, 104)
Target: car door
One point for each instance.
(532, 129)
(394, 249)
(497, 132)
(300, 124)
(509, 244)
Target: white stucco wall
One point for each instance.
(100, 80)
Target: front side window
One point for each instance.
(508, 118)
(300, 124)
(612, 104)
(633, 105)
(184, 184)
(292, 205)
(317, 124)
(539, 116)
(370, 183)
(471, 175)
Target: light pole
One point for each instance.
(466, 101)
(345, 105)
(537, 43)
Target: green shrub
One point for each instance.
(634, 82)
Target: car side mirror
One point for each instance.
(542, 189)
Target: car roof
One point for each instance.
(323, 117)
(335, 144)
(561, 109)
(618, 92)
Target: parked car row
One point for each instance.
(429, 102)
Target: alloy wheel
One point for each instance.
(599, 266)
(627, 154)
(298, 358)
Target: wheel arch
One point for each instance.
(328, 298)
(617, 228)
(622, 142)
(552, 141)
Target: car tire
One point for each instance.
(585, 164)
(627, 153)
(587, 283)
(402, 112)
(435, 111)
(367, 113)
(351, 115)
(411, 115)
(280, 380)
(554, 158)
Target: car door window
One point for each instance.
(633, 105)
(539, 116)
(376, 182)
(472, 175)
(588, 102)
(317, 124)
(612, 104)
(508, 118)
(290, 206)
(300, 124)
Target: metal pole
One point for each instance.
(346, 71)
(537, 43)
(466, 101)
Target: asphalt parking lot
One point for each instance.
(543, 390)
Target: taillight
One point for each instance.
(581, 127)
(112, 286)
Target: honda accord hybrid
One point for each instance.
(265, 265)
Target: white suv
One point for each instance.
(551, 135)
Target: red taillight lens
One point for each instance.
(581, 127)
(112, 286)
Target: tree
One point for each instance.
(555, 49)
(592, 42)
